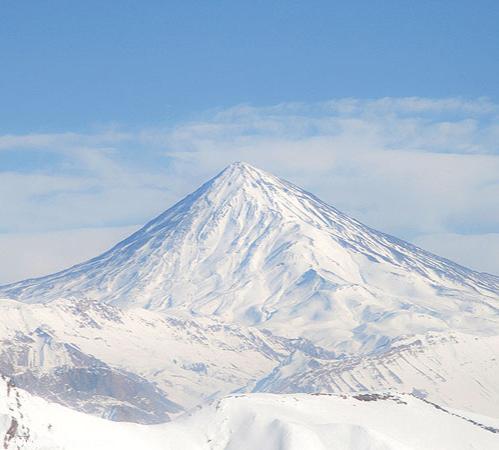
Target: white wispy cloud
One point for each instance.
(413, 167)
(36, 254)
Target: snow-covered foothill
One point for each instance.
(108, 357)
(255, 421)
(453, 369)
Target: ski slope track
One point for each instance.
(255, 421)
(250, 248)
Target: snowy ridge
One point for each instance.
(251, 248)
(173, 363)
(456, 370)
(133, 364)
(257, 421)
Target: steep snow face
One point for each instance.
(456, 370)
(264, 421)
(251, 248)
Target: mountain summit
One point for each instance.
(250, 247)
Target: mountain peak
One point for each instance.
(252, 248)
(240, 166)
(241, 183)
(240, 171)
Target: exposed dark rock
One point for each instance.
(474, 422)
(11, 432)
(84, 383)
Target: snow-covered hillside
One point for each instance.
(456, 370)
(256, 421)
(253, 249)
(132, 364)
(147, 367)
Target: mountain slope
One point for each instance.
(456, 370)
(251, 248)
(132, 364)
(264, 421)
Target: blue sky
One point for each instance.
(73, 65)
(110, 111)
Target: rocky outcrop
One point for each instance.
(60, 372)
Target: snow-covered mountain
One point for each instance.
(452, 369)
(250, 248)
(256, 421)
(252, 284)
